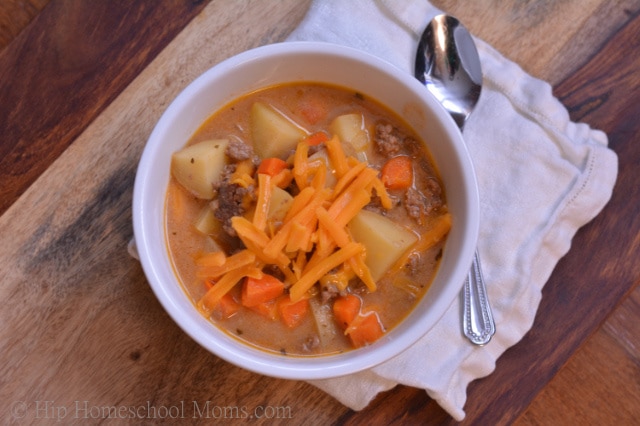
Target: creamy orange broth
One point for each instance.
(396, 293)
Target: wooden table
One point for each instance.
(80, 89)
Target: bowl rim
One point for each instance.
(232, 349)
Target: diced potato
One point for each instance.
(207, 223)
(352, 131)
(279, 205)
(274, 135)
(325, 323)
(385, 241)
(197, 167)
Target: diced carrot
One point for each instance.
(365, 329)
(346, 309)
(225, 284)
(268, 309)
(226, 307)
(257, 291)
(292, 313)
(272, 166)
(397, 172)
(313, 109)
(316, 138)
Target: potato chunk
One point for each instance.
(273, 134)
(206, 223)
(385, 241)
(279, 206)
(352, 131)
(197, 167)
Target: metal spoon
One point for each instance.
(447, 63)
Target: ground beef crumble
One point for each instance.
(388, 139)
(230, 201)
(238, 150)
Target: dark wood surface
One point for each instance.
(79, 320)
(65, 68)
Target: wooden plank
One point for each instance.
(80, 56)
(624, 325)
(601, 383)
(15, 15)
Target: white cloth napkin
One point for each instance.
(540, 178)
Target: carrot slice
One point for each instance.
(260, 290)
(313, 109)
(365, 329)
(292, 313)
(272, 166)
(397, 172)
(268, 309)
(346, 309)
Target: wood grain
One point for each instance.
(15, 15)
(69, 64)
(601, 383)
(83, 325)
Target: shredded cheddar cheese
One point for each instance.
(312, 243)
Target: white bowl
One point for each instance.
(317, 62)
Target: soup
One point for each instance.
(305, 219)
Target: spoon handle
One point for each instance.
(477, 320)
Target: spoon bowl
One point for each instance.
(447, 63)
